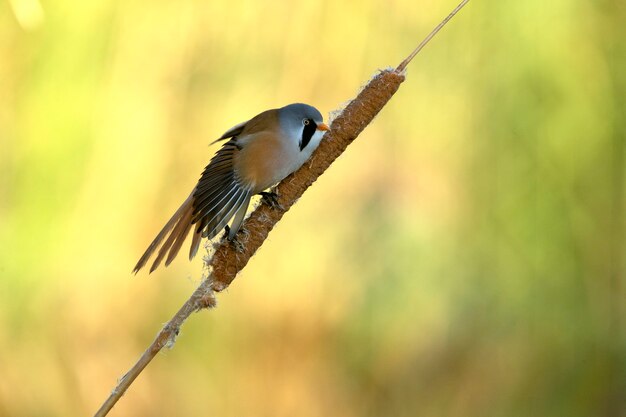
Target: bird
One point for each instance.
(257, 154)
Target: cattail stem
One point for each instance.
(201, 298)
(228, 260)
(427, 39)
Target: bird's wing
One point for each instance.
(223, 191)
(220, 194)
(239, 216)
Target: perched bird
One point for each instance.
(258, 154)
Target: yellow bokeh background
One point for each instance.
(464, 257)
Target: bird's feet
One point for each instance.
(234, 241)
(271, 199)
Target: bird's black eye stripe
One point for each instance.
(307, 132)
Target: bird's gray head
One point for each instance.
(302, 121)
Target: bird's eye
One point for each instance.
(305, 122)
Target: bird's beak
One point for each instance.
(323, 126)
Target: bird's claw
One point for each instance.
(271, 199)
(234, 241)
(239, 248)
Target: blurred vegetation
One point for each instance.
(465, 257)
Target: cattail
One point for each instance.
(229, 259)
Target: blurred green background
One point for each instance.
(465, 257)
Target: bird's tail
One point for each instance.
(177, 228)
